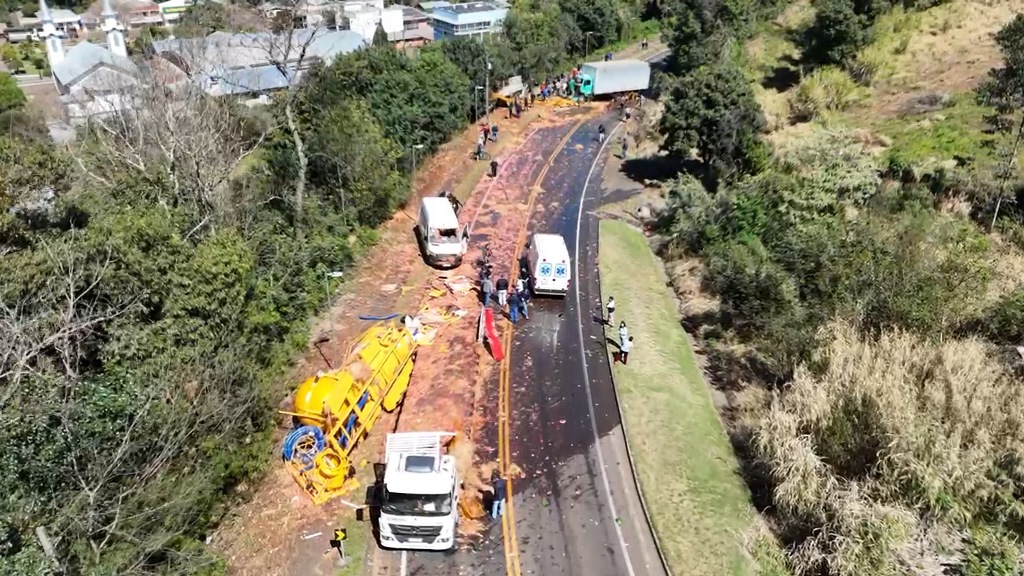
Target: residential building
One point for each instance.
(66, 23)
(91, 80)
(468, 19)
(172, 10)
(429, 6)
(132, 13)
(416, 28)
(246, 64)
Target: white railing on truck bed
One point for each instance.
(415, 444)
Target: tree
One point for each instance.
(16, 66)
(202, 19)
(713, 110)
(836, 34)
(534, 31)
(380, 37)
(415, 101)
(29, 8)
(8, 52)
(596, 18)
(1004, 90)
(471, 57)
(11, 96)
(356, 163)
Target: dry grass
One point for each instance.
(700, 506)
(893, 434)
(824, 93)
(949, 48)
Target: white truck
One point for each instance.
(420, 502)
(548, 260)
(441, 239)
(614, 77)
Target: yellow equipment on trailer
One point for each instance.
(337, 409)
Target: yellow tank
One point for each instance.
(336, 410)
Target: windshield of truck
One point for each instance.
(447, 236)
(417, 504)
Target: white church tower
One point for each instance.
(114, 30)
(54, 45)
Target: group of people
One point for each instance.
(514, 298)
(625, 340)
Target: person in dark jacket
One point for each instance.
(500, 493)
(502, 287)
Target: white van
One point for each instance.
(548, 259)
(440, 237)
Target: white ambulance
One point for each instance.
(548, 259)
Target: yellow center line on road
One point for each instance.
(508, 519)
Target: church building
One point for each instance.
(92, 80)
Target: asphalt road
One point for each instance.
(577, 511)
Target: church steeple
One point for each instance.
(114, 30)
(54, 45)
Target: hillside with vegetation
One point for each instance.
(845, 236)
(158, 276)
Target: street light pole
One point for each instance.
(476, 103)
(330, 313)
(587, 57)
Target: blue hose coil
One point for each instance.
(292, 440)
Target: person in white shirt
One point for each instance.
(627, 346)
(610, 318)
(623, 333)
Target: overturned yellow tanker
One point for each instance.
(335, 410)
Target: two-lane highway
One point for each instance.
(577, 511)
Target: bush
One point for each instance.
(894, 444)
(836, 34)
(836, 162)
(824, 92)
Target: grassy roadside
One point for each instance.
(688, 474)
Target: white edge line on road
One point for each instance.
(405, 563)
(583, 362)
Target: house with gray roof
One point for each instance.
(254, 63)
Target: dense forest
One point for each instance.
(158, 274)
(854, 317)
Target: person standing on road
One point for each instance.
(494, 167)
(600, 134)
(500, 493)
(624, 350)
(513, 307)
(625, 147)
(502, 287)
(611, 311)
(487, 288)
(523, 300)
(623, 333)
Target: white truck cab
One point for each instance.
(440, 237)
(420, 505)
(548, 259)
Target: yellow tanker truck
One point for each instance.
(334, 411)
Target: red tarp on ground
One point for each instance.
(491, 334)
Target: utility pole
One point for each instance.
(588, 45)
(415, 147)
(476, 103)
(330, 313)
(487, 93)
